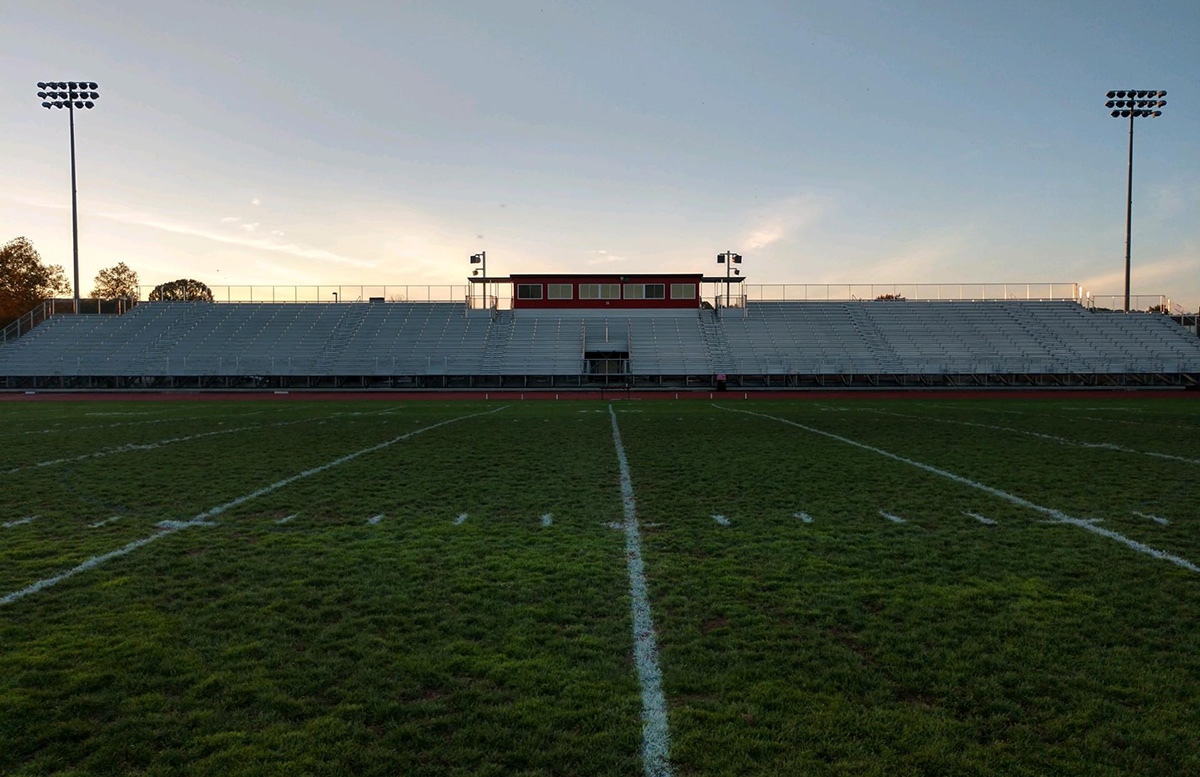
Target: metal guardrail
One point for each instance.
(764, 292)
(770, 292)
(1157, 303)
(63, 307)
(348, 293)
(27, 322)
(845, 292)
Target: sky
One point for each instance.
(274, 142)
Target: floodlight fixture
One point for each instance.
(729, 259)
(481, 259)
(72, 95)
(1132, 104)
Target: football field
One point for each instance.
(822, 586)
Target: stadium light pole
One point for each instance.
(729, 259)
(481, 259)
(1133, 104)
(71, 95)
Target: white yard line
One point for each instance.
(982, 519)
(937, 406)
(180, 419)
(547, 519)
(105, 522)
(721, 520)
(19, 522)
(177, 525)
(1053, 438)
(149, 446)
(1157, 519)
(215, 511)
(128, 448)
(374, 519)
(287, 518)
(1182, 428)
(656, 742)
(803, 516)
(461, 519)
(891, 517)
(1056, 516)
(94, 561)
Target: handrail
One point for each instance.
(845, 292)
(27, 322)
(749, 292)
(443, 292)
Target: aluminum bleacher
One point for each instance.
(447, 344)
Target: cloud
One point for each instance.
(34, 201)
(250, 227)
(231, 219)
(258, 243)
(783, 220)
(1161, 276)
(277, 232)
(1175, 199)
(256, 201)
(604, 257)
(926, 257)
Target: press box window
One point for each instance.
(599, 291)
(560, 291)
(529, 291)
(683, 291)
(644, 290)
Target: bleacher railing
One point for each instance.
(62, 307)
(27, 322)
(387, 293)
(765, 292)
(1156, 303)
(845, 292)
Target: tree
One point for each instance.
(182, 290)
(25, 281)
(1157, 309)
(891, 297)
(115, 283)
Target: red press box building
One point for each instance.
(678, 291)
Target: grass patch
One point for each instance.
(499, 645)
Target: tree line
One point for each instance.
(26, 281)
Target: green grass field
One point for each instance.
(936, 585)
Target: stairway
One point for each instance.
(716, 343)
(875, 339)
(495, 344)
(343, 332)
(156, 354)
